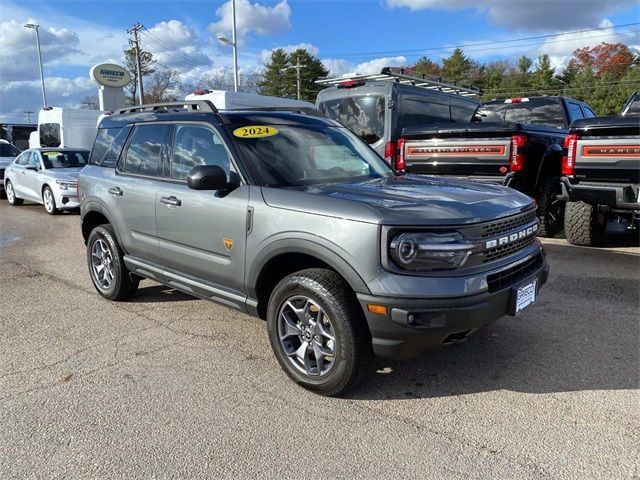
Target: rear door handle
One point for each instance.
(116, 191)
(173, 201)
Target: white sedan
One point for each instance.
(46, 175)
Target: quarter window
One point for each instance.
(197, 145)
(108, 146)
(574, 111)
(148, 144)
(23, 159)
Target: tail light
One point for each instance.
(390, 152)
(569, 158)
(400, 163)
(351, 83)
(518, 143)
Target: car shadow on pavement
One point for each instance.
(582, 335)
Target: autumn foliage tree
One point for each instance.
(613, 58)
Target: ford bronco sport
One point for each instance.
(289, 216)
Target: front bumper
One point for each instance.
(612, 195)
(66, 199)
(412, 326)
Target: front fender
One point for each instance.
(313, 246)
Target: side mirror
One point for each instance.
(35, 168)
(209, 177)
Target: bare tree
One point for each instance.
(161, 87)
(90, 102)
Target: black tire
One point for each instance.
(353, 351)
(583, 225)
(50, 202)
(550, 209)
(122, 286)
(11, 195)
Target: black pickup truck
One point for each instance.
(601, 174)
(517, 142)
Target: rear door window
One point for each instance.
(413, 111)
(363, 115)
(147, 146)
(588, 113)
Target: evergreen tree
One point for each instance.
(427, 67)
(543, 81)
(456, 67)
(273, 80)
(310, 69)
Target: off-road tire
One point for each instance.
(354, 353)
(123, 286)
(550, 210)
(11, 198)
(583, 225)
(51, 207)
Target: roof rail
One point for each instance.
(419, 81)
(191, 105)
(306, 110)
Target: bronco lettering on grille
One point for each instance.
(507, 239)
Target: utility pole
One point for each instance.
(29, 113)
(136, 43)
(298, 66)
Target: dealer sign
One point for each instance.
(110, 75)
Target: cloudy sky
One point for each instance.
(357, 35)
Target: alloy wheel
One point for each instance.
(11, 195)
(48, 200)
(306, 336)
(102, 264)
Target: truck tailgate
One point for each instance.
(613, 159)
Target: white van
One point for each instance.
(65, 127)
(224, 100)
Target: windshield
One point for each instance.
(296, 156)
(362, 115)
(8, 150)
(536, 111)
(66, 159)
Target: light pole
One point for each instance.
(234, 43)
(35, 27)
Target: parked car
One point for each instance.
(289, 216)
(65, 128)
(8, 154)
(601, 174)
(377, 107)
(516, 142)
(47, 176)
(17, 134)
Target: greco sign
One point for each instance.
(110, 75)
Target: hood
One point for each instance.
(403, 200)
(69, 174)
(5, 161)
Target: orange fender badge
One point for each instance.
(228, 243)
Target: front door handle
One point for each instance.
(117, 191)
(173, 201)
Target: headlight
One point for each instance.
(65, 185)
(428, 251)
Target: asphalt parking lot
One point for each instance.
(169, 386)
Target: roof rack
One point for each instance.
(418, 81)
(191, 105)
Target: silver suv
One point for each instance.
(288, 216)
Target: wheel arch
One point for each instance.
(92, 216)
(284, 257)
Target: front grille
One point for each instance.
(505, 250)
(507, 224)
(510, 276)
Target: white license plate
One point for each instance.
(525, 296)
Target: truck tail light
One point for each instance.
(569, 157)
(400, 163)
(390, 152)
(518, 143)
(351, 83)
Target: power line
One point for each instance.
(172, 52)
(465, 46)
